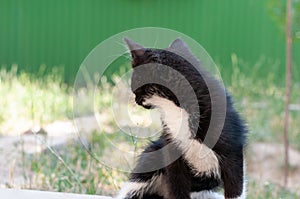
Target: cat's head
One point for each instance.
(162, 73)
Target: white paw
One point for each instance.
(206, 195)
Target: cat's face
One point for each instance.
(157, 72)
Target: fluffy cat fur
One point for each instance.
(203, 165)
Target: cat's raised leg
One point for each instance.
(178, 180)
(233, 175)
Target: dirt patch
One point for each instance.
(266, 164)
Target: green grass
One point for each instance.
(40, 100)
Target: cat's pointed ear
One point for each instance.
(180, 46)
(135, 48)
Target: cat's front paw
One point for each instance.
(206, 195)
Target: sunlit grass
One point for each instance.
(29, 100)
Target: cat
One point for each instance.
(183, 163)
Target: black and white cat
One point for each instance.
(182, 163)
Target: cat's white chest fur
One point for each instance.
(201, 158)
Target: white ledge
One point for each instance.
(30, 194)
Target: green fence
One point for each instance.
(62, 32)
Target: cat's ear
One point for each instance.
(135, 48)
(179, 47)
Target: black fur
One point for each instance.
(178, 177)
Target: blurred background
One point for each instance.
(43, 43)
